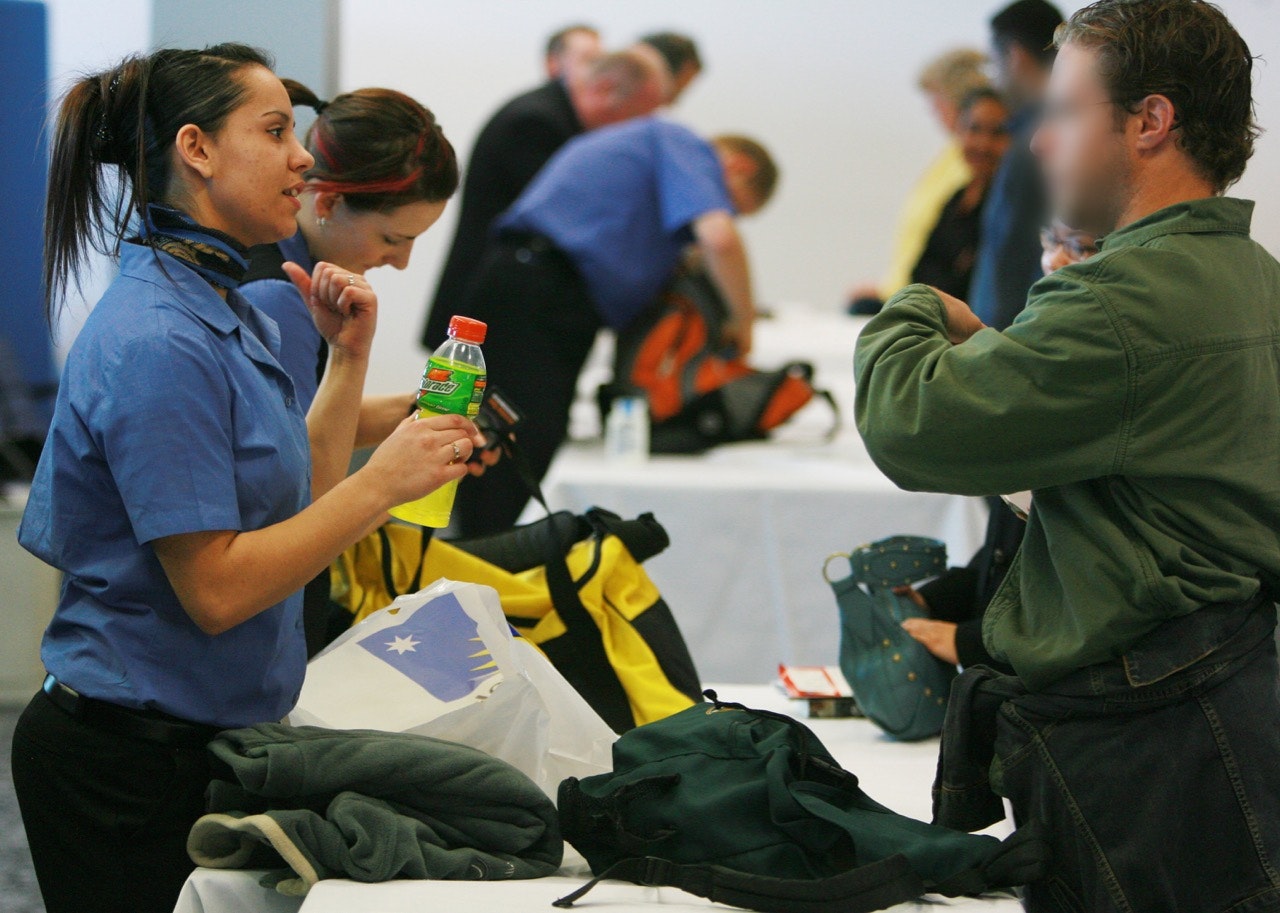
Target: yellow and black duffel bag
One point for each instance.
(573, 585)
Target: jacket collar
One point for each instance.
(186, 289)
(1212, 215)
(259, 337)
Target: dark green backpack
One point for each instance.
(899, 685)
(747, 808)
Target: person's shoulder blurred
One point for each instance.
(544, 104)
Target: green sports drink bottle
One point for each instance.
(452, 384)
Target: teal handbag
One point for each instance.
(899, 685)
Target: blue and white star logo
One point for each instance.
(403, 645)
(453, 660)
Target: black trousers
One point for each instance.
(542, 325)
(106, 815)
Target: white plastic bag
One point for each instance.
(444, 663)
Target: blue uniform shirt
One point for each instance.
(300, 341)
(173, 416)
(619, 201)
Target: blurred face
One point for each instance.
(944, 109)
(984, 137)
(598, 103)
(739, 173)
(1082, 147)
(1063, 246)
(581, 50)
(1005, 63)
(250, 169)
(681, 80)
(360, 240)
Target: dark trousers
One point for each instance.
(1156, 777)
(542, 325)
(106, 816)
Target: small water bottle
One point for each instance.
(626, 431)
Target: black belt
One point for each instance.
(530, 246)
(147, 725)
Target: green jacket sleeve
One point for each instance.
(1042, 404)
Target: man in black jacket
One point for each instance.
(518, 141)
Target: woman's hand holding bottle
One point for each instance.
(421, 455)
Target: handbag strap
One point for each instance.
(871, 887)
(897, 561)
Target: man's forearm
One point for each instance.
(728, 268)
(1002, 412)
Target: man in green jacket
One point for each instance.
(1138, 396)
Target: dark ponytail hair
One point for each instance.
(127, 117)
(379, 148)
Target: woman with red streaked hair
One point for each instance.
(383, 174)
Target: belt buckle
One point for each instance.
(52, 684)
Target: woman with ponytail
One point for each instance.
(182, 492)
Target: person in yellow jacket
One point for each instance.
(946, 80)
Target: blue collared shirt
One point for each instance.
(173, 416)
(300, 341)
(620, 202)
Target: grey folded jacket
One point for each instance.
(372, 806)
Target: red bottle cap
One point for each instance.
(468, 330)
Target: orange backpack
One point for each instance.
(699, 393)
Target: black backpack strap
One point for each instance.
(876, 886)
(1023, 858)
(837, 420)
(388, 573)
(644, 536)
(511, 450)
(579, 653)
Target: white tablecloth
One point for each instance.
(751, 524)
(895, 774)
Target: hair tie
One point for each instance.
(104, 137)
(319, 107)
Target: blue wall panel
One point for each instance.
(24, 77)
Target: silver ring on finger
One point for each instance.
(457, 454)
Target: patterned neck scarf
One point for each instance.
(219, 258)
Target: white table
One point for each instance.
(751, 524)
(897, 774)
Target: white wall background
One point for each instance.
(84, 37)
(828, 85)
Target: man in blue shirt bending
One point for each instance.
(590, 243)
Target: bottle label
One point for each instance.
(448, 389)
